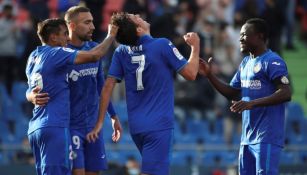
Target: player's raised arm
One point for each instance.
(224, 88)
(100, 50)
(190, 71)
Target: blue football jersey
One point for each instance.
(47, 68)
(255, 79)
(85, 84)
(148, 71)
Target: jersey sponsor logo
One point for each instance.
(177, 53)
(257, 67)
(284, 80)
(252, 84)
(74, 75)
(68, 49)
(37, 80)
(276, 63)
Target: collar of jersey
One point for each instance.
(144, 39)
(76, 47)
(262, 55)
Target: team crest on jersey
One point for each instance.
(284, 80)
(68, 49)
(257, 67)
(177, 53)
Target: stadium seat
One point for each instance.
(21, 128)
(19, 91)
(294, 112)
(220, 158)
(121, 110)
(196, 127)
(288, 158)
(183, 157)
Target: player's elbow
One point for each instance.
(288, 97)
(287, 94)
(191, 77)
(189, 73)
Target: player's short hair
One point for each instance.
(74, 11)
(48, 27)
(259, 26)
(126, 33)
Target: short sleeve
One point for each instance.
(64, 57)
(236, 80)
(116, 69)
(172, 55)
(276, 68)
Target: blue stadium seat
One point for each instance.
(220, 158)
(121, 110)
(188, 138)
(19, 91)
(121, 156)
(3, 159)
(183, 157)
(21, 128)
(4, 131)
(114, 156)
(213, 139)
(303, 157)
(294, 112)
(196, 127)
(288, 158)
(126, 138)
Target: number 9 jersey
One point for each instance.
(148, 69)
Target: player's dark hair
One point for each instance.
(259, 26)
(74, 11)
(126, 33)
(48, 27)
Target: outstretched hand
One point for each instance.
(37, 98)
(191, 39)
(112, 30)
(205, 67)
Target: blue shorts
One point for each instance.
(259, 159)
(51, 149)
(155, 148)
(88, 156)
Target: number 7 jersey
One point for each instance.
(148, 71)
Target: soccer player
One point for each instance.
(258, 90)
(89, 157)
(147, 64)
(46, 71)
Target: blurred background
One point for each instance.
(207, 134)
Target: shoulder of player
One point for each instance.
(274, 58)
(91, 44)
(162, 40)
